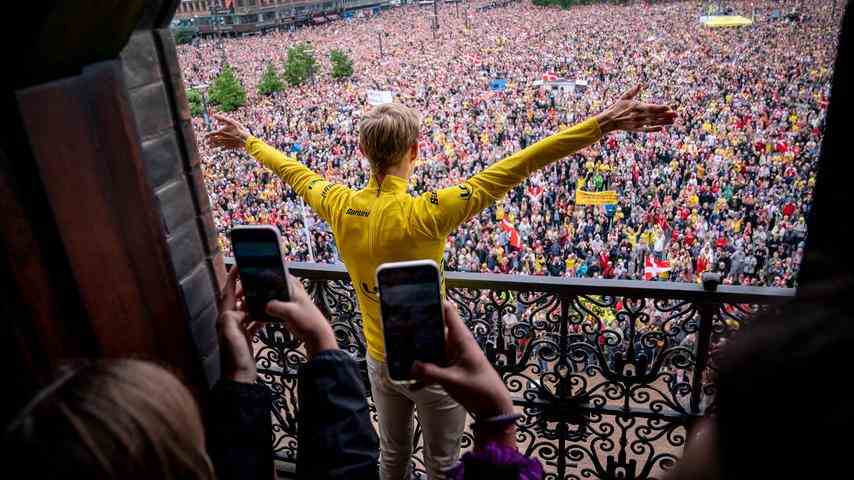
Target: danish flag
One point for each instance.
(549, 77)
(515, 241)
(652, 267)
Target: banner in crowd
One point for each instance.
(379, 97)
(652, 268)
(583, 197)
(717, 21)
(498, 85)
(565, 84)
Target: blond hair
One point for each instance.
(111, 419)
(386, 133)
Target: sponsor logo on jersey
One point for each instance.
(357, 213)
(466, 192)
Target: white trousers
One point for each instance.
(442, 423)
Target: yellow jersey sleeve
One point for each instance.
(326, 198)
(436, 214)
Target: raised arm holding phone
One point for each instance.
(336, 434)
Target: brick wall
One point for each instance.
(171, 161)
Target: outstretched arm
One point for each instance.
(437, 213)
(324, 197)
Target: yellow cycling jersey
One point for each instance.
(384, 223)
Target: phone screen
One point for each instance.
(411, 308)
(262, 273)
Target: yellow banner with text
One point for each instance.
(608, 197)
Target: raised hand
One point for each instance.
(633, 116)
(303, 319)
(235, 330)
(231, 136)
(469, 378)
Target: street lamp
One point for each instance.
(380, 39)
(467, 15)
(435, 17)
(202, 88)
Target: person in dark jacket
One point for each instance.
(336, 438)
(131, 419)
(781, 408)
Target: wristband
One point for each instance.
(496, 421)
(493, 428)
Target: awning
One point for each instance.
(717, 21)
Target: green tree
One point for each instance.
(342, 66)
(270, 81)
(195, 100)
(183, 35)
(227, 91)
(300, 64)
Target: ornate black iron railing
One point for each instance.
(610, 374)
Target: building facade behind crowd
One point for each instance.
(727, 189)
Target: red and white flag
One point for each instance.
(549, 77)
(652, 268)
(535, 192)
(508, 227)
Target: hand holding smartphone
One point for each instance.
(412, 316)
(262, 272)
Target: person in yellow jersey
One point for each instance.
(383, 223)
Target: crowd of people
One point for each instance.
(727, 188)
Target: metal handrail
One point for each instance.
(564, 368)
(572, 286)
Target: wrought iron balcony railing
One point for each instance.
(608, 373)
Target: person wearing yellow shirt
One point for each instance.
(384, 223)
(589, 165)
(631, 236)
(570, 263)
(646, 237)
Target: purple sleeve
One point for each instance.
(497, 462)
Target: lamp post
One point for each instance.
(307, 230)
(467, 15)
(435, 18)
(380, 39)
(202, 88)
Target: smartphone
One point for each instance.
(263, 275)
(412, 316)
